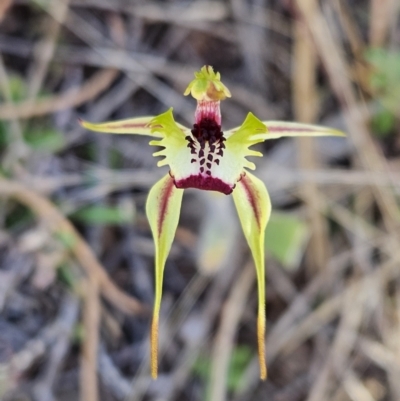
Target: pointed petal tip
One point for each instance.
(264, 375)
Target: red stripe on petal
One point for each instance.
(252, 197)
(291, 129)
(165, 197)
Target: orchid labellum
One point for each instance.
(206, 157)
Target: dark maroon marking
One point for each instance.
(202, 161)
(208, 165)
(201, 169)
(216, 161)
(207, 130)
(205, 183)
(165, 197)
(210, 157)
(251, 196)
(193, 161)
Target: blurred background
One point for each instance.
(76, 253)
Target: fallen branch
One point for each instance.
(54, 219)
(71, 98)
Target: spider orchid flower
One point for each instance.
(205, 157)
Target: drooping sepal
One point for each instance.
(207, 86)
(163, 209)
(138, 126)
(254, 208)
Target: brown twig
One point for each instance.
(43, 208)
(305, 65)
(71, 98)
(224, 339)
(91, 321)
(4, 6)
(370, 156)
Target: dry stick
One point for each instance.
(380, 16)
(304, 65)
(223, 345)
(355, 388)
(60, 225)
(71, 98)
(343, 343)
(44, 50)
(360, 69)
(4, 6)
(370, 156)
(390, 336)
(91, 320)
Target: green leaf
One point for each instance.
(66, 275)
(285, 239)
(383, 123)
(17, 87)
(68, 239)
(240, 359)
(44, 139)
(385, 77)
(104, 215)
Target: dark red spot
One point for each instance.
(207, 130)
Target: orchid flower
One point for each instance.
(205, 157)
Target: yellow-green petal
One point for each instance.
(139, 125)
(176, 152)
(279, 129)
(254, 208)
(237, 145)
(163, 209)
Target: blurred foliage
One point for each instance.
(103, 215)
(44, 139)
(18, 216)
(385, 84)
(286, 238)
(67, 239)
(240, 359)
(66, 275)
